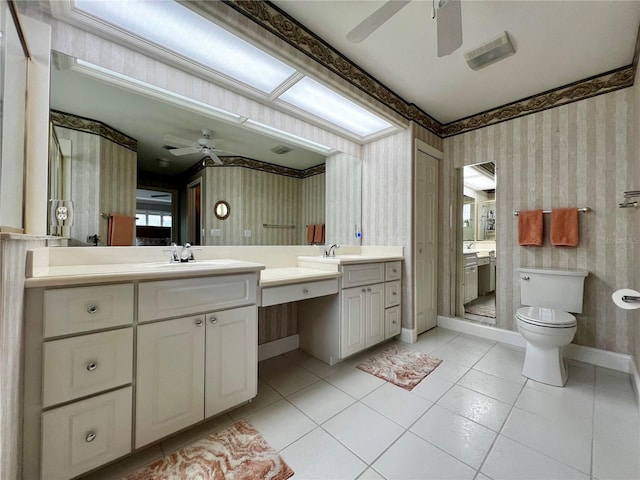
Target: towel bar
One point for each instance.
(582, 210)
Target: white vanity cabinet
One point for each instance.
(78, 377)
(114, 367)
(365, 312)
(191, 368)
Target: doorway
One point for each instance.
(194, 212)
(477, 273)
(155, 216)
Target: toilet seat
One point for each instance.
(546, 317)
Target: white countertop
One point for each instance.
(350, 259)
(272, 277)
(119, 272)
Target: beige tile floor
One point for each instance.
(474, 417)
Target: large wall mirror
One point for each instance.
(477, 276)
(167, 166)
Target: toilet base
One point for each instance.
(545, 365)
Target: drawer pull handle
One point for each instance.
(199, 322)
(213, 320)
(91, 436)
(92, 309)
(91, 366)
(305, 291)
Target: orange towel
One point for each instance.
(318, 237)
(310, 233)
(121, 228)
(530, 228)
(564, 227)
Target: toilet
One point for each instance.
(547, 296)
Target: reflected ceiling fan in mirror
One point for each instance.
(205, 145)
(447, 13)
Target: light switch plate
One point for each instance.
(247, 233)
(215, 232)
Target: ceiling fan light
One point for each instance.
(490, 52)
(163, 162)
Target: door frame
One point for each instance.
(191, 226)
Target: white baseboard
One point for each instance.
(408, 335)
(278, 347)
(601, 358)
(485, 331)
(635, 380)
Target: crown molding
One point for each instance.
(271, 18)
(87, 125)
(244, 162)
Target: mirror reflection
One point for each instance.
(221, 209)
(477, 285)
(123, 144)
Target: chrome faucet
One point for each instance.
(469, 245)
(184, 255)
(331, 252)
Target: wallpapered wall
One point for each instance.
(256, 198)
(103, 180)
(578, 155)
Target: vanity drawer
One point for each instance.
(299, 291)
(81, 309)
(483, 261)
(392, 322)
(187, 296)
(79, 366)
(362, 274)
(391, 294)
(81, 436)
(392, 271)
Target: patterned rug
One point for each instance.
(402, 367)
(237, 452)
(482, 310)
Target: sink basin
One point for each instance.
(219, 262)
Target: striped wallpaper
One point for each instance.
(103, 179)
(582, 154)
(256, 198)
(344, 201)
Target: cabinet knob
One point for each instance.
(92, 309)
(394, 293)
(368, 289)
(394, 270)
(305, 291)
(199, 322)
(213, 320)
(364, 290)
(91, 366)
(394, 322)
(526, 277)
(91, 436)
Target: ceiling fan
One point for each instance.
(447, 13)
(205, 145)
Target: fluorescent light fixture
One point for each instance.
(322, 102)
(173, 26)
(477, 180)
(121, 80)
(288, 137)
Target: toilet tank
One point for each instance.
(552, 287)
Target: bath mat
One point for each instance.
(481, 310)
(402, 367)
(237, 452)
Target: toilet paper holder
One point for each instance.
(630, 299)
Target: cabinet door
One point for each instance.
(231, 358)
(353, 320)
(170, 377)
(374, 316)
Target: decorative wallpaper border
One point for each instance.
(270, 17)
(75, 122)
(237, 161)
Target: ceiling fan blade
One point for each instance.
(182, 151)
(173, 140)
(212, 156)
(375, 20)
(449, 25)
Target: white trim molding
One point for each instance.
(278, 347)
(408, 335)
(601, 358)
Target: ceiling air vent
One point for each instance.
(281, 149)
(490, 52)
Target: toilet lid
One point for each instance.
(546, 317)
